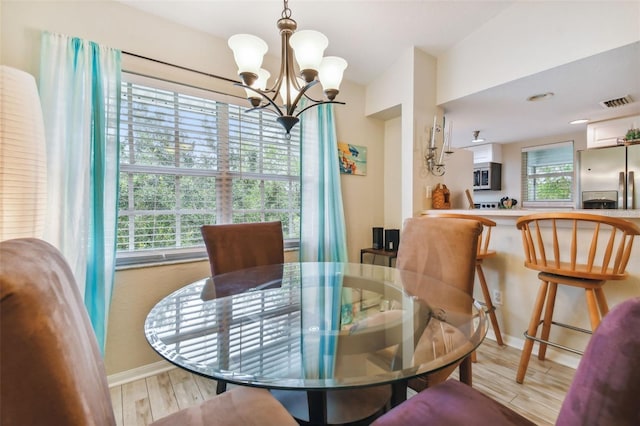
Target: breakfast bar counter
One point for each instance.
(495, 213)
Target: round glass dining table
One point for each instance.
(334, 342)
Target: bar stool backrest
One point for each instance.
(484, 239)
(599, 247)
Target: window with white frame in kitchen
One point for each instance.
(547, 175)
(188, 159)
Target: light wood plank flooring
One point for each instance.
(539, 398)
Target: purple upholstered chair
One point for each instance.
(604, 391)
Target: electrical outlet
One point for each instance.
(497, 297)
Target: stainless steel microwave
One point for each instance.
(487, 177)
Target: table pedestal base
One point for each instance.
(336, 407)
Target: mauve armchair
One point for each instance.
(51, 370)
(445, 249)
(604, 391)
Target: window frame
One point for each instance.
(141, 257)
(524, 176)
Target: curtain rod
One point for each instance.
(180, 67)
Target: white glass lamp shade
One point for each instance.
(308, 47)
(294, 91)
(263, 79)
(331, 71)
(23, 167)
(248, 51)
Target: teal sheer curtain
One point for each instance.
(322, 229)
(80, 93)
(321, 309)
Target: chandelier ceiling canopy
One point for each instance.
(290, 87)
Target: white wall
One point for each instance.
(389, 95)
(392, 178)
(534, 36)
(407, 89)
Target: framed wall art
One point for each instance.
(352, 159)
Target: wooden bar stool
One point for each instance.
(599, 250)
(482, 253)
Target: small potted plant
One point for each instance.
(632, 135)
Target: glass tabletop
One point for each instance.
(315, 326)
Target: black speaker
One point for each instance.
(378, 238)
(391, 239)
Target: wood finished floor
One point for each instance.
(142, 401)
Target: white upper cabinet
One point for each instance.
(487, 153)
(607, 133)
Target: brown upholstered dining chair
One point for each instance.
(604, 390)
(445, 249)
(484, 252)
(51, 370)
(236, 246)
(596, 250)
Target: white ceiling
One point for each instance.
(370, 35)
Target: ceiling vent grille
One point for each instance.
(617, 102)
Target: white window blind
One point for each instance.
(187, 159)
(547, 175)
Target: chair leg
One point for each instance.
(592, 306)
(532, 330)
(487, 300)
(602, 302)
(548, 317)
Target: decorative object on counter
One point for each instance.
(507, 203)
(632, 136)
(434, 163)
(441, 197)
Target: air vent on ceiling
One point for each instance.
(617, 102)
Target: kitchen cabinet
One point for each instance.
(487, 153)
(607, 132)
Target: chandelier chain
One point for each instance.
(286, 12)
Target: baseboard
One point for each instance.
(138, 373)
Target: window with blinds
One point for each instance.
(547, 175)
(187, 159)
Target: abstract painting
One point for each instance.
(352, 159)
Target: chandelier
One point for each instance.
(290, 88)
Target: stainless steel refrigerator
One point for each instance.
(609, 177)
